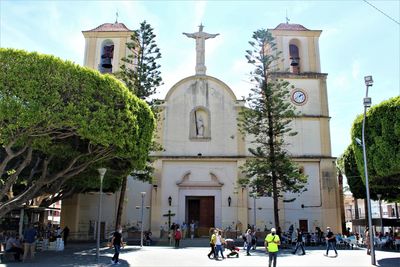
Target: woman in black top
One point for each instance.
(116, 241)
(299, 242)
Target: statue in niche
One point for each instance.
(199, 125)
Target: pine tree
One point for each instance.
(141, 75)
(270, 171)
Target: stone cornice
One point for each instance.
(301, 75)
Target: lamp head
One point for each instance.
(368, 80)
(102, 171)
(359, 142)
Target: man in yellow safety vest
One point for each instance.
(272, 242)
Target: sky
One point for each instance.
(357, 40)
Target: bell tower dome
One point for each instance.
(105, 45)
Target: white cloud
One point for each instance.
(213, 45)
(200, 8)
(340, 81)
(355, 69)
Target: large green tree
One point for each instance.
(267, 119)
(382, 141)
(348, 165)
(59, 120)
(140, 73)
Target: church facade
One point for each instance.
(196, 174)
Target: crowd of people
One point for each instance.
(13, 243)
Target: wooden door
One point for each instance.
(303, 225)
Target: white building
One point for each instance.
(196, 175)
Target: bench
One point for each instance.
(7, 256)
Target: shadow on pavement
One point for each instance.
(389, 262)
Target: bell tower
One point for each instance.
(105, 45)
(311, 147)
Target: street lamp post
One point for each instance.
(254, 210)
(367, 103)
(380, 210)
(101, 171)
(141, 216)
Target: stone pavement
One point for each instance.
(85, 255)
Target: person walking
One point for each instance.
(367, 240)
(178, 237)
(272, 241)
(249, 237)
(192, 229)
(213, 240)
(219, 241)
(184, 230)
(299, 242)
(254, 240)
(65, 233)
(29, 242)
(117, 242)
(330, 241)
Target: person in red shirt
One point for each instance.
(178, 237)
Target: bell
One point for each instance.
(106, 63)
(294, 62)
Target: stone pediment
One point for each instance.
(186, 182)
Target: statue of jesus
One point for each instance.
(200, 37)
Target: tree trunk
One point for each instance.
(276, 208)
(121, 202)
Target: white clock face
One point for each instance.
(298, 97)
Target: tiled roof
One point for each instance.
(291, 27)
(110, 27)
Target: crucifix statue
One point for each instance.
(200, 37)
(169, 215)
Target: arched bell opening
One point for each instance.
(294, 55)
(106, 56)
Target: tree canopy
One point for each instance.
(348, 165)
(271, 171)
(382, 141)
(59, 121)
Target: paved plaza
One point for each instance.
(85, 255)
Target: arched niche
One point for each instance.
(106, 56)
(200, 123)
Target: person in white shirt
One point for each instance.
(218, 245)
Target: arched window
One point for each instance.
(106, 56)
